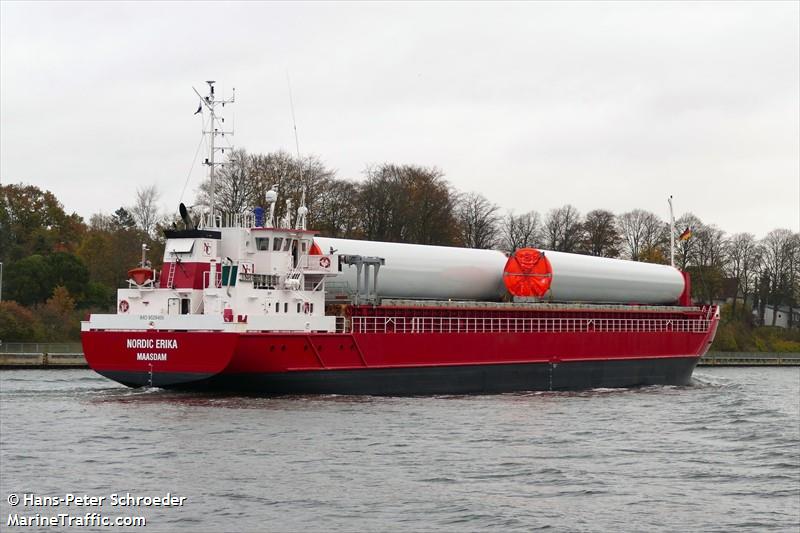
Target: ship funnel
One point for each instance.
(187, 219)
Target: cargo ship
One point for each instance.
(249, 303)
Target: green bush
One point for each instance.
(19, 324)
(725, 341)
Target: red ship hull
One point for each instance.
(445, 352)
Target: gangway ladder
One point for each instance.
(171, 275)
(296, 272)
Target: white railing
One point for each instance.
(227, 220)
(265, 281)
(361, 324)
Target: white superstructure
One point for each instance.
(229, 272)
(232, 278)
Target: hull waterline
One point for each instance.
(471, 379)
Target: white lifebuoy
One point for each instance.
(124, 306)
(324, 262)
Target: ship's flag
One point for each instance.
(686, 235)
(199, 108)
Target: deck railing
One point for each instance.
(523, 325)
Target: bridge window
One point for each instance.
(287, 245)
(262, 244)
(277, 307)
(276, 244)
(298, 307)
(286, 307)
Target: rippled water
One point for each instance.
(720, 455)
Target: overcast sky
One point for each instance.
(534, 105)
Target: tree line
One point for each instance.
(57, 266)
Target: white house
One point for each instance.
(782, 318)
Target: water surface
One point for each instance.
(720, 455)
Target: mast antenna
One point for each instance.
(215, 128)
(294, 122)
(302, 211)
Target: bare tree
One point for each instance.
(684, 249)
(145, 209)
(407, 203)
(563, 229)
(101, 222)
(779, 247)
(742, 262)
(336, 212)
(477, 221)
(794, 277)
(234, 183)
(600, 234)
(243, 181)
(708, 258)
(520, 231)
(643, 235)
(293, 177)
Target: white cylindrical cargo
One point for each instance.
(425, 272)
(585, 278)
(443, 273)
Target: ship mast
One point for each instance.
(216, 128)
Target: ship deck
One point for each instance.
(535, 306)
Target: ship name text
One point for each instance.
(150, 344)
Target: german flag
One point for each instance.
(686, 235)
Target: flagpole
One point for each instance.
(671, 233)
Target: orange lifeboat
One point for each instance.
(141, 275)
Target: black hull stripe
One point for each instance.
(471, 379)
